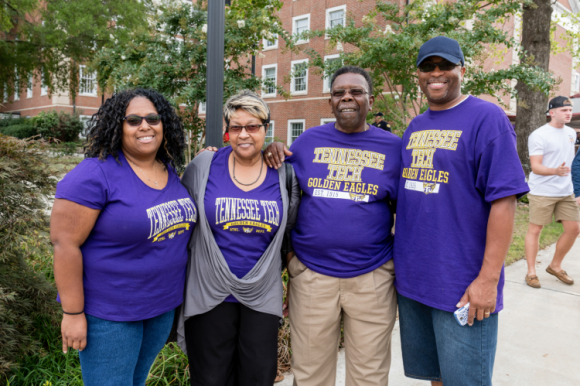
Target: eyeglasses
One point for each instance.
(444, 65)
(249, 128)
(354, 92)
(135, 120)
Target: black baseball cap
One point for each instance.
(559, 101)
(379, 114)
(441, 46)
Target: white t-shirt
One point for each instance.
(557, 146)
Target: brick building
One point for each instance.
(308, 105)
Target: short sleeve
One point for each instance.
(85, 184)
(500, 173)
(535, 144)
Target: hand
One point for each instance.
(74, 332)
(210, 148)
(274, 154)
(289, 257)
(562, 170)
(481, 295)
(578, 200)
(285, 309)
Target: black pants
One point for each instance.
(232, 345)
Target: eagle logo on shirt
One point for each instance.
(356, 197)
(172, 235)
(248, 230)
(429, 187)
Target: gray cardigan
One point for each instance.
(209, 280)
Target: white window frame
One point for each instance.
(29, 87)
(92, 93)
(324, 121)
(576, 83)
(290, 122)
(273, 127)
(16, 85)
(334, 9)
(84, 119)
(325, 80)
(266, 94)
(43, 87)
(202, 108)
(292, 83)
(294, 32)
(272, 47)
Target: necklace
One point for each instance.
(148, 179)
(259, 175)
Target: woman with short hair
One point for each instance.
(233, 301)
(120, 226)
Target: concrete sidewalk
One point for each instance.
(539, 331)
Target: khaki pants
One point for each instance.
(368, 305)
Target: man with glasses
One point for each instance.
(460, 176)
(342, 268)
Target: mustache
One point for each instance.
(437, 80)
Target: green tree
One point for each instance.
(47, 40)
(172, 57)
(389, 40)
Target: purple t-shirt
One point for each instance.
(455, 163)
(243, 223)
(344, 221)
(135, 258)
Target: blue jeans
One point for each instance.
(121, 353)
(436, 348)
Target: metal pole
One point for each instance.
(215, 73)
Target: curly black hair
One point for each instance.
(105, 128)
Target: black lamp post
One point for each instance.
(215, 72)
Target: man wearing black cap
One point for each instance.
(551, 150)
(381, 123)
(455, 213)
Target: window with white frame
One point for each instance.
(87, 81)
(271, 44)
(43, 86)
(85, 120)
(336, 16)
(329, 60)
(29, 87)
(301, 24)
(299, 83)
(16, 85)
(5, 93)
(269, 134)
(576, 82)
(269, 73)
(202, 107)
(324, 121)
(295, 128)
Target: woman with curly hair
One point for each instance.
(120, 225)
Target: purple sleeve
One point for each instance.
(85, 184)
(500, 173)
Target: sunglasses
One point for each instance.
(443, 66)
(249, 128)
(135, 120)
(355, 92)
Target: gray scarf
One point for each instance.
(209, 279)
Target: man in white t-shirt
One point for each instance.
(551, 150)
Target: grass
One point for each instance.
(550, 234)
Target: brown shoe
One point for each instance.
(533, 281)
(562, 275)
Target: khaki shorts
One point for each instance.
(563, 209)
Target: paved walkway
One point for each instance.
(539, 332)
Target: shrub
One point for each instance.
(22, 131)
(58, 125)
(27, 298)
(13, 121)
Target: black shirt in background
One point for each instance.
(383, 125)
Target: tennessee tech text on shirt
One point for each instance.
(236, 212)
(171, 216)
(346, 165)
(424, 144)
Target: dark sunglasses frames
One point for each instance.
(249, 128)
(355, 92)
(443, 66)
(135, 120)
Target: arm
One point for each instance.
(274, 154)
(70, 225)
(482, 292)
(292, 214)
(576, 176)
(541, 170)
